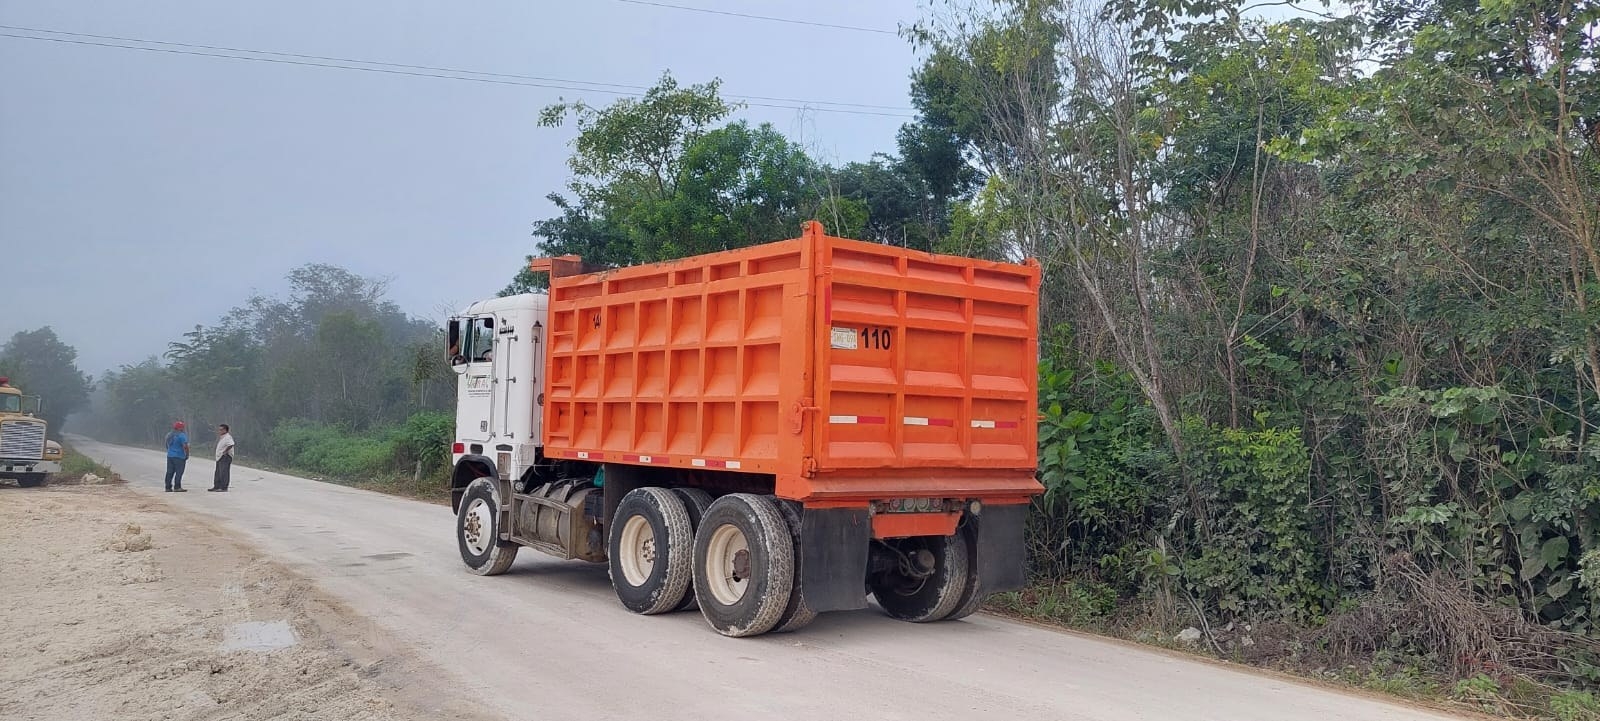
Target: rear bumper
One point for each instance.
(11, 467)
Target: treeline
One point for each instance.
(39, 364)
(333, 378)
(1320, 308)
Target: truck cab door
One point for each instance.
(475, 398)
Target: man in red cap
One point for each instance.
(177, 457)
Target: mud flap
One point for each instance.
(1002, 558)
(833, 546)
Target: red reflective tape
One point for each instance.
(877, 420)
(1005, 424)
(946, 422)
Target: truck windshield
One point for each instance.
(10, 403)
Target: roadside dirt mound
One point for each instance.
(131, 538)
(84, 479)
(119, 608)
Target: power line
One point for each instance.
(431, 68)
(767, 18)
(438, 75)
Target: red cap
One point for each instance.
(4, 380)
(177, 426)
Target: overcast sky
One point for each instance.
(142, 192)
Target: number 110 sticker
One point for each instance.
(869, 338)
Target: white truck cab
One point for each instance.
(497, 348)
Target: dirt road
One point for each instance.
(548, 640)
(119, 606)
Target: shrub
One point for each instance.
(332, 450)
(425, 437)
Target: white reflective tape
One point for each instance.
(915, 421)
(733, 464)
(583, 454)
(983, 424)
(644, 459)
(841, 419)
(699, 462)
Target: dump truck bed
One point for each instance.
(846, 370)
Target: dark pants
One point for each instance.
(224, 468)
(174, 479)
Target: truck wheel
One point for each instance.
(796, 615)
(910, 596)
(650, 549)
(478, 530)
(972, 596)
(695, 501)
(743, 565)
(31, 480)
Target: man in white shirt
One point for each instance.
(224, 459)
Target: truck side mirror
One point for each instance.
(458, 361)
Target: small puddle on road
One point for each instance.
(258, 636)
(395, 556)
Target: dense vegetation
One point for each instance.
(332, 379)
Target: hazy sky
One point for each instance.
(142, 192)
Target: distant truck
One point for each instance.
(767, 433)
(25, 454)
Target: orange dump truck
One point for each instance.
(767, 433)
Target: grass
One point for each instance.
(74, 465)
(428, 488)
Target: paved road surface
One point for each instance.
(549, 641)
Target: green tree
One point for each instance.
(657, 177)
(39, 363)
(737, 186)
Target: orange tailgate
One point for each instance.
(925, 361)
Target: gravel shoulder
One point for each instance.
(120, 605)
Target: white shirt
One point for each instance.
(224, 445)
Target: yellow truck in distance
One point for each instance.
(25, 454)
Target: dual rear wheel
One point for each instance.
(734, 557)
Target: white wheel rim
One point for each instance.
(477, 531)
(638, 550)
(722, 553)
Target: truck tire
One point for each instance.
(796, 615)
(650, 551)
(972, 596)
(930, 598)
(31, 480)
(743, 565)
(695, 501)
(478, 530)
